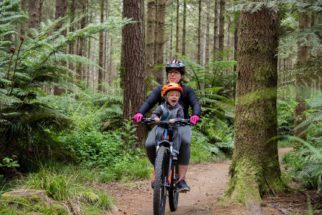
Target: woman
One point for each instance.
(175, 72)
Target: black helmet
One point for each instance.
(175, 64)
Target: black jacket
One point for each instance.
(188, 98)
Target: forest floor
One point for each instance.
(208, 183)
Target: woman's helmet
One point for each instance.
(175, 64)
(169, 87)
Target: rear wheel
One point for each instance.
(173, 194)
(160, 190)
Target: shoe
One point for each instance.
(182, 186)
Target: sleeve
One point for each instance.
(194, 102)
(157, 112)
(153, 99)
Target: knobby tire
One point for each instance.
(173, 194)
(159, 191)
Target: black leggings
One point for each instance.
(184, 133)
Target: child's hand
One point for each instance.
(172, 121)
(157, 119)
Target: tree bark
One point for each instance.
(255, 168)
(301, 80)
(207, 43)
(236, 20)
(150, 38)
(198, 56)
(81, 43)
(133, 60)
(155, 39)
(101, 49)
(177, 28)
(159, 40)
(24, 7)
(215, 47)
(221, 28)
(33, 9)
(184, 27)
(61, 8)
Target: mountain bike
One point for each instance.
(166, 167)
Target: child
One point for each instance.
(170, 110)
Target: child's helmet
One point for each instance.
(169, 87)
(175, 64)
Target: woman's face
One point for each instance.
(173, 97)
(174, 76)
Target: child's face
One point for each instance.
(173, 97)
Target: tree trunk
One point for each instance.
(40, 9)
(184, 27)
(207, 43)
(101, 49)
(71, 47)
(155, 39)
(24, 7)
(215, 47)
(301, 80)
(221, 28)
(61, 8)
(255, 167)
(33, 10)
(199, 34)
(81, 51)
(177, 29)
(133, 60)
(236, 20)
(150, 41)
(159, 40)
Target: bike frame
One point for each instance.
(166, 168)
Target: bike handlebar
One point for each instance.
(179, 122)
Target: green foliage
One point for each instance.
(129, 167)
(285, 117)
(312, 124)
(111, 152)
(70, 183)
(202, 150)
(9, 163)
(215, 91)
(305, 164)
(93, 148)
(27, 64)
(128, 136)
(21, 206)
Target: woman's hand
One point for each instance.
(157, 119)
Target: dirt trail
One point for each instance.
(207, 181)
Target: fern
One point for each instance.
(29, 63)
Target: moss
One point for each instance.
(29, 202)
(248, 182)
(244, 184)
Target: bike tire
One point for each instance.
(160, 190)
(173, 194)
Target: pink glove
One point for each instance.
(137, 117)
(194, 119)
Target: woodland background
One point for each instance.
(72, 73)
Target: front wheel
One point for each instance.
(160, 190)
(173, 193)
